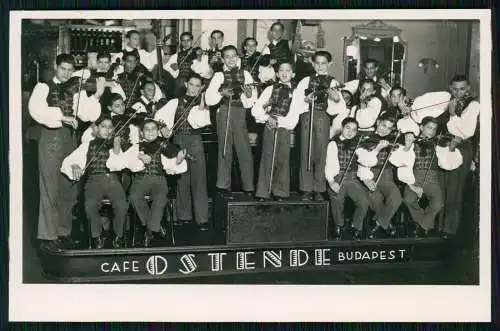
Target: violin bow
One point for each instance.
(275, 143)
(311, 122)
(361, 138)
(80, 84)
(430, 164)
(191, 49)
(182, 117)
(258, 59)
(387, 159)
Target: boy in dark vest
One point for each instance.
(251, 58)
(230, 89)
(273, 109)
(372, 156)
(100, 159)
(148, 104)
(318, 91)
(54, 107)
(150, 160)
(418, 167)
(187, 115)
(215, 53)
(278, 48)
(340, 173)
(179, 64)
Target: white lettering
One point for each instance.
(188, 263)
(402, 251)
(242, 262)
(297, 257)
(341, 256)
(382, 255)
(273, 258)
(216, 261)
(320, 256)
(124, 266)
(392, 255)
(105, 267)
(156, 265)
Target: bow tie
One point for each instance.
(283, 85)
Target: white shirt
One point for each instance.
(213, 96)
(197, 118)
(149, 59)
(299, 103)
(89, 108)
(367, 117)
(259, 113)
(464, 126)
(266, 49)
(131, 161)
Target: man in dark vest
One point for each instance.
(55, 107)
(278, 48)
(179, 64)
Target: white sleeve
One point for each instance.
(89, 108)
(78, 73)
(139, 107)
(117, 88)
(368, 116)
(352, 86)
(289, 121)
(134, 134)
(332, 167)
(258, 111)
(167, 66)
(131, 159)
(40, 110)
(298, 100)
(77, 157)
(266, 74)
(88, 135)
(158, 93)
(198, 118)
(406, 175)
(364, 173)
(336, 126)
(166, 114)
(407, 124)
(447, 159)
(404, 161)
(430, 104)
(335, 108)
(248, 102)
(213, 96)
(367, 158)
(171, 167)
(464, 126)
(202, 68)
(266, 51)
(116, 162)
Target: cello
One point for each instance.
(161, 76)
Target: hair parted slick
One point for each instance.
(325, 54)
(131, 32)
(348, 120)
(65, 58)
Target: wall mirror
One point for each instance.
(379, 41)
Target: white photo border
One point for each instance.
(125, 302)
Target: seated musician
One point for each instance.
(376, 173)
(150, 160)
(116, 109)
(340, 173)
(399, 105)
(147, 104)
(100, 160)
(273, 109)
(318, 92)
(418, 167)
(232, 90)
(186, 116)
(130, 79)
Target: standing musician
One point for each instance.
(278, 48)
(418, 167)
(340, 173)
(100, 159)
(149, 161)
(215, 52)
(186, 116)
(251, 58)
(367, 107)
(231, 88)
(147, 103)
(460, 121)
(376, 173)
(133, 42)
(273, 109)
(370, 72)
(56, 107)
(179, 64)
(315, 97)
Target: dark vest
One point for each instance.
(346, 149)
(185, 127)
(153, 168)
(424, 153)
(281, 51)
(371, 142)
(234, 79)
(280, 99)
(127, 82)
(185, 66)
(217, 66)
(320, 83)
(249, 62)
(98, 165)
(59, 97)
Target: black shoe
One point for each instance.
(307, 196)
(98, 242)
(66, 242)
(148, 238)
(447, 236)
(50, 245)
(373, 233)
(420, 232)
(319, 197)
(261, 199)
(249, 194)
(337, 232)
(118, 242)
(356, 234)
(204, 226)
(278, 199)
(391, 230)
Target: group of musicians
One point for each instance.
(363, 139)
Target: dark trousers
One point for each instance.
(452, 183)
(57, 193)
(386, 198)
(192, 185)
(237, 136)
(97, 188)
(156, 187)
(353, 189)
(314, 179)
(432, 190)
(281, 169)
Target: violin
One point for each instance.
(323, 90)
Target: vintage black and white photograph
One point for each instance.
(252, 149)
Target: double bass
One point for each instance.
(161, 76)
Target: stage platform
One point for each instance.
(247, 236)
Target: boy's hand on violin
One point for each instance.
(333, 95)
(382, 144)
(452, 106)
(370, 184)
(166, 132)
(77, 172)
(309, 98)
(146, 159)
(227, 92)
(334, 186)
(384, 84)
(248, 91)
(71, 121)
(174, 66)
(100, 86)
